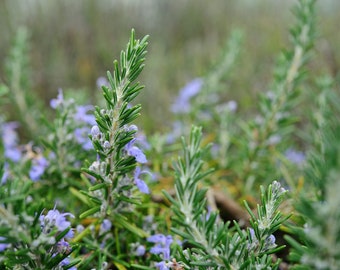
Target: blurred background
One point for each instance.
(72, 43)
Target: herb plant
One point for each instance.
(80, 184)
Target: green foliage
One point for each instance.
(317, 246)
(270, 133)
(212, 243)
(18, 82)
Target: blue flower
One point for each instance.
(295, 157)
(102, 81)
(56, 102)
(66, 262)
(270, 242)
(162, 245)
(10, 141)
(95, 132)
(55, 219)
(140, 250)
(38, 167)
(63, 246)
(82, 116)
(182, 102)
(105, 226)
(3, 246)
(134, 151)
(162, 266)
(176, 132)
(5, 174)
(81, 135)
(141, 185)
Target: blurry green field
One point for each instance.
(74, 42)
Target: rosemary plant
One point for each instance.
(200, 99)
(19, 83)
(269, 134)
(76, 191)
(317, 244)
(116, 173)
(208, 242)
(246, 151)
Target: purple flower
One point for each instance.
(82, 116)
(56, 102)
(162, 266)
(182, 102)
(66, 262)
(295, 157)
(232, 105)
(5, 174)
(135, 152)
(141, 185)
(38, 167)
(176, 132)
(270, 241)
(3, 246)
(252, 233)
(10, 140)
(63, 246)
(81, 135)
(140, 251)
(105, 226)
(95, 132)
(207, 215)
(162, 245)
(54, 219)
(142, 141)
(268, 244)
(132, 128)
(102, 81)
(274, 139)
(13, 154)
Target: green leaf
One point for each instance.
(124, 223)
(90, 212)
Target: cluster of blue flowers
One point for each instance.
(52, 224)
(162, 248)
(131, 149)
(15, 153)
(56, 222)
(79, 114)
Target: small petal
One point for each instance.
(10, 140)
(156, 238)
(56, 102)
(81, 135)
(82, 116)
(105, 226)
(55, 219)
(134, 151)
(3, 246)
(38, 168)
(162, 266)
(102, 81)
(140, 251)
(182, 103)
(142, 186)
(295, 157)
(95, 131)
